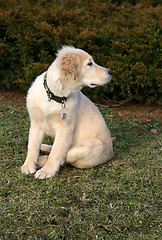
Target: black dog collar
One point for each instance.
(51, 96)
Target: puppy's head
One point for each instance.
(77, 69)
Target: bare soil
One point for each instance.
(139, 112)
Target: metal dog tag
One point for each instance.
(63, 116)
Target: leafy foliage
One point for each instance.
(121, 35)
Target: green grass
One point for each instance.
(117, 200)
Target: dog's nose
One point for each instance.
(110, 71)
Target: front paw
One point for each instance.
(44, 173)
(28, 169)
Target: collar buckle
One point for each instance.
(49, 96)
(63, 103)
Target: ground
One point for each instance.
(119, 200)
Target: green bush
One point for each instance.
(121, 35)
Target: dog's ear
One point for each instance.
(70, 63)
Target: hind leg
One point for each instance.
(41, 161)
(90, 153)
(46, 148)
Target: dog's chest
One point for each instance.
(48, 126)
(51, 119)
(48, 116)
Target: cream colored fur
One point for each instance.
(83, 139)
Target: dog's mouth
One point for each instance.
(93, 85)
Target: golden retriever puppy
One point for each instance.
(59, 109)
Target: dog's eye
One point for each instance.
(90, 64)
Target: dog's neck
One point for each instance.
(51, 95)
(57, 82)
